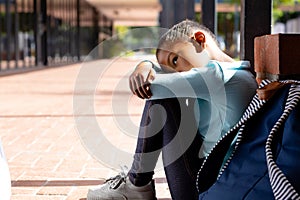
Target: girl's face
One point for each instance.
(183, 56)
(172, 61)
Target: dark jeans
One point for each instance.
(169, 126)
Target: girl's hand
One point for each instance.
(141, 79)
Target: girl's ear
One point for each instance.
(199, 37)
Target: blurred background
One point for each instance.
(42, 33)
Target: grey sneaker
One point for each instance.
(121, 188)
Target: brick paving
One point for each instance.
(38, 129)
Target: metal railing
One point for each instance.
(41, 33)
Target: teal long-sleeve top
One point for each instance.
(223, 91)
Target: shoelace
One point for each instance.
(115, 182)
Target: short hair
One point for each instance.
(182, 32)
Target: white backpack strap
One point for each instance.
(281, 186)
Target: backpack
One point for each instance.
(264, 162)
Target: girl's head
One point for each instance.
(184, 46)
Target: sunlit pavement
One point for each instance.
(46, 156)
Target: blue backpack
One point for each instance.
(264, 162)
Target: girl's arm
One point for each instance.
(196, 83)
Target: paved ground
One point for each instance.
(46, 128)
